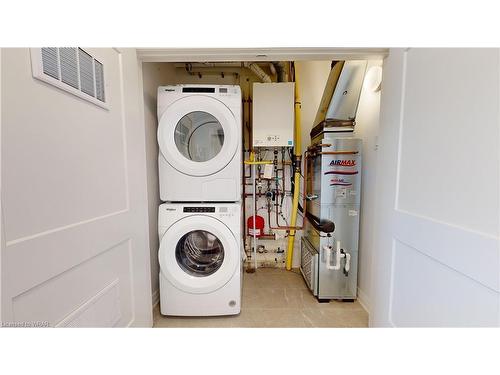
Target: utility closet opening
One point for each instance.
(273, 183)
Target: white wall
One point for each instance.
(73, 198)
(153, 75)
(367, 128)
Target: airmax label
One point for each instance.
(343, 163)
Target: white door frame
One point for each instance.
(149, 55)
(258, 54)
(2, 237)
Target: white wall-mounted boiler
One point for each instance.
(273, 114)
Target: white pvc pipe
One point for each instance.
(338, 256)
(347, 262)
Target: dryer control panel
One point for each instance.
(198, 209)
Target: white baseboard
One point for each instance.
(156, 297)
(364, 300)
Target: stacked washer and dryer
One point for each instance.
(199, 225)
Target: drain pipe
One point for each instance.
(259, 72)
(281, 67)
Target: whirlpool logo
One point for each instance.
(343, 163)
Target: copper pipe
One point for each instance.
(337, 153)
(267, 237)
(304, 196)
(284, 227)
(319, 145)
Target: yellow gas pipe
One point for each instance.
(251, 160)
(296, 179)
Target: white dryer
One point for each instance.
(199, 136)
(200, 259)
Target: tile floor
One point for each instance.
(277, 298)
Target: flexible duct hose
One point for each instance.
(296, 190)
(259, 72)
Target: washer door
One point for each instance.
(198, 135)
(198, 254)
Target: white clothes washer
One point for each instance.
(201, 259)
(199, 137)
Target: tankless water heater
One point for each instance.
(273, 114)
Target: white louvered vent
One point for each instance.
(86, 72)
(69, 66)
(99, 80)
(50, 59)
(71, 69)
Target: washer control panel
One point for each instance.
(199, 209)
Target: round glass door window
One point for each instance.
(199, 136)
(199, 253)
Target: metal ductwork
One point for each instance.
(340, 100)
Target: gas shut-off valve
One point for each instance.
(339, 255)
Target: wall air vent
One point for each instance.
(71, 69)
(87, 79)
(69, 66)
(50, 61)
(99, 80)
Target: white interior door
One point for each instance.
(75, 250)
(436, 260)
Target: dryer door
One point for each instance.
(198, 254)
(198, 135)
